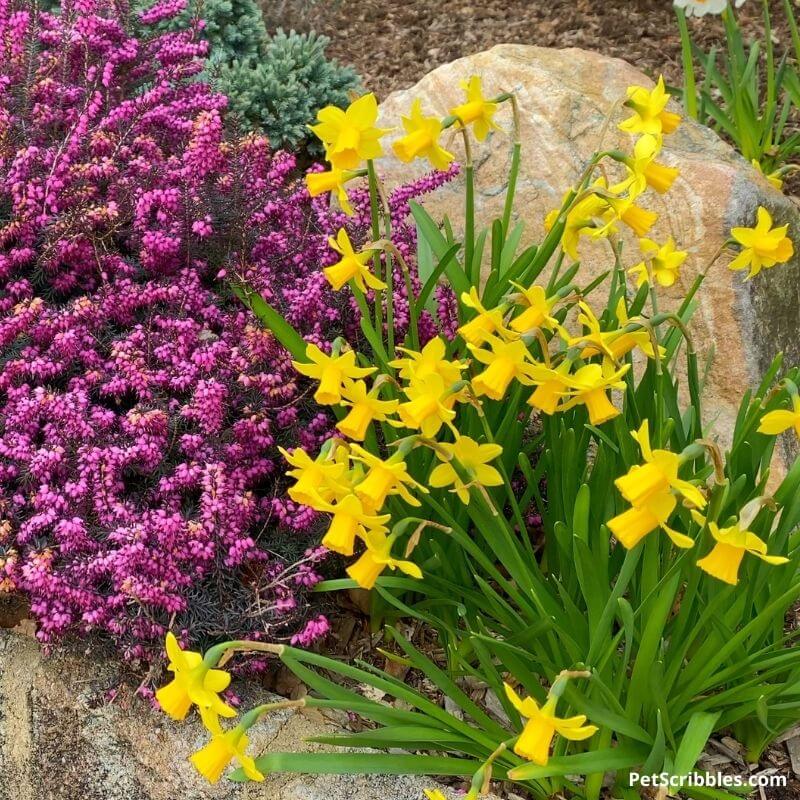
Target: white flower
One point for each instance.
(699, 8)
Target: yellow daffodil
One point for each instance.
(664, 261)
(429, 405)
(377, 558)
(384, 478)
(650, 488)
(473, 459)
(542, 725)
(537, 307)
(625, 210)
(551, 387)
(775, 422)
(589, 386)
(615, 343)
(433, 794)
(429, 361)
(732, 543)
(774, 178)
(315, 479)
(352, 266)
(211, 760)
(476, 110)
(485, 323)
(331, 372)
(350, 519)
(194, 683)
(649, 108)
(505, 360)
(646, 171)
(422, 139)
(580, 221)
(762, 246)
(333, 181)
(350, 136)
(365, 406)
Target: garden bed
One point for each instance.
(393, 44)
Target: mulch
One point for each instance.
(393, 43)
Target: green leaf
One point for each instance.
(439, 245)
(360, 764)
(694, 740)
(581, 764)
(433, 277)
(273, 321)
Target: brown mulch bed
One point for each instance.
(393, 43)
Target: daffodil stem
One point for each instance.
(689, 83)
(220, 654)
(504, 473)
(514, 171)
(469, 211)
(252, 717)
(374, 205)
(375, 339)
(389, 247)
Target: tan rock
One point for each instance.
(70, 729)
(568, 102)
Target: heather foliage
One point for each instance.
(139, 403)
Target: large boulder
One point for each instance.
(568, 101)
(71, 729)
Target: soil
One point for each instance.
(393, 43)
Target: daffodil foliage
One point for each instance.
(542, 489)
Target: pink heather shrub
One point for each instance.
(140, 404)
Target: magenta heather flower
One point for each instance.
(140, 403)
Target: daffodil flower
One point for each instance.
(476, 110)
(551, 388)
(331, 372)
(365, 406)
(422, 139)
(780, 420)
(649, 108)
(625, 210)
(473, 459)
(732, 544)
(664, 261)
(580, 221)
(699, 8)
(645, 170)
(352, 266)
(377, 558)
(614, 344)
(589, 386)
(651, 490)
(433, 794)
(211, 760)
(350, 135)
(350, 519)
(429, 361)
(195, 683)
(536, 309)
(762, 246)
(773, 178)
(429, 405)
(332, 181)
(504, 361)
(315, 479)
(484, 324)
(542, 726)
(384, 478)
